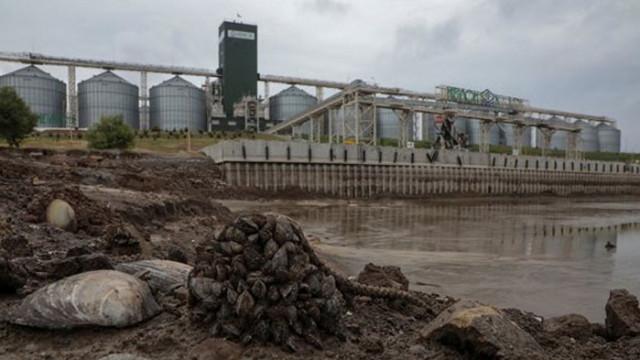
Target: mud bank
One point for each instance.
(135, 207)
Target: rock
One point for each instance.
(78, 251)
(525, 320)
(384, 276)
(417, 350)
(16, 246)
(162, 275)
(96, 298)
(12, 276)
(483, 332)
(216, 349)
(123, 357)
(5, 229)
(61, 214)
(93, 262)
(372, 344)
(123, 240)
(623, 315)
(61, 268)
(572, 325)
(177, 255)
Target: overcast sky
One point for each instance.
(574, 55)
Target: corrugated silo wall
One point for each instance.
(104, 96)
(45, 95)
(176, 106)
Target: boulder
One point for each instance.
(571, 325)
(623, 314)
(384, 276)
(482, 332)
(164, 276)
(97, 298)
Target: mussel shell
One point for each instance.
(161, 275)
(95, 298)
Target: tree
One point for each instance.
(111, 133)
(16, 119)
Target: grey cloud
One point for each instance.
(570, 55)
(575, 55)
(327, 6)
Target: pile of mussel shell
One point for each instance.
(260, 281)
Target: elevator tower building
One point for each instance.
(238, 60)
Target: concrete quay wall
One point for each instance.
(353, 171)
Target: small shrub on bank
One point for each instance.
(111, 133)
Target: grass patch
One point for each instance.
(162, 142)
(168, 142)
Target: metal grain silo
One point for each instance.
(589, 136)
(428, 127)
(461, 125)
(177, 104)
(608, 138)
(107, 94)
(558, 139)
(289, 102)
(387, 123)
(509, 139)
(475, 133)
(44, 94)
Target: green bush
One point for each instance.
(16, 119)
(111, 133)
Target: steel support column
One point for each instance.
(405, 118)
(485, 132)
(72, 99)
(319, 93)
(547, 133)
(574, 145)
(518, 136)
(144, 99)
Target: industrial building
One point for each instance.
(359, 113)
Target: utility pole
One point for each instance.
(188, 122)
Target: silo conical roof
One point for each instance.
(108, 76)
(177, 81)
(32, 71)
(293, 91)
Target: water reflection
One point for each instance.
(528, 231)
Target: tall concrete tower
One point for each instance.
(238, 60)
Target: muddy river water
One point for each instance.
(548, 256)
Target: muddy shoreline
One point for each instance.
(166, 205)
